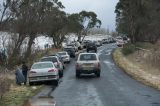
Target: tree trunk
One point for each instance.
(29, 47)
(13, 58)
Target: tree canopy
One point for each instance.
(139, 19)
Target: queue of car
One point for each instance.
(51, 67)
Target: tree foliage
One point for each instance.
(26, 19)
(139, 19)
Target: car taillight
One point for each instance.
(52, 70)
(97, 65)
(32, 72)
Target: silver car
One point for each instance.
(58, 64)
(43, 71)
(65, 56)
(88, 63)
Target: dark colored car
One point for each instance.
(105, 41)
(71, 51)
(91, 46)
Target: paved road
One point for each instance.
(113, 88)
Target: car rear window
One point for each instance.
(87, 57)
(52, 59)
(42, 65)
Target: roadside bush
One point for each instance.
(144, 45)
(128, 49)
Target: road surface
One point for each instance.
(113, 88)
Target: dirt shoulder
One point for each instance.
(150, 78)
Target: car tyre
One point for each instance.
(98, 74)
(61, 74)
(56, 82)
(31, 83)
(77, 74)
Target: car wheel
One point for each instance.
(31, 83)
(98, 74)
(61, 74)
(77, 74)
(56, 82)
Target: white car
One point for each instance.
(65, 56)
(58, 64)
(88, 63)
(43, 71)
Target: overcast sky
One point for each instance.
(103, 8)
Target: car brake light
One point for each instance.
(32, 72)
(52, 70)
(97, 65)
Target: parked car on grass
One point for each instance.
(56, 62)
(88, 63)
(65, 56)
(43, 71)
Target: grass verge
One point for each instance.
(18, 94)
(14, 95)
(135, 71)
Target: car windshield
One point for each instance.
(62, 54)
(87, 57)
(52, 59)
(42, 65)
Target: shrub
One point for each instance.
(129, 49)
(144, 45)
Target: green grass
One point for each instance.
(144, 45)
(18, 94)
(131, 48)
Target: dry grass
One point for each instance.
(136, 71)
(17, 95)
(6, 79)
(10, 93)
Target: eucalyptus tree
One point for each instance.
(4, 13)
(88, 20)
(139, 19)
